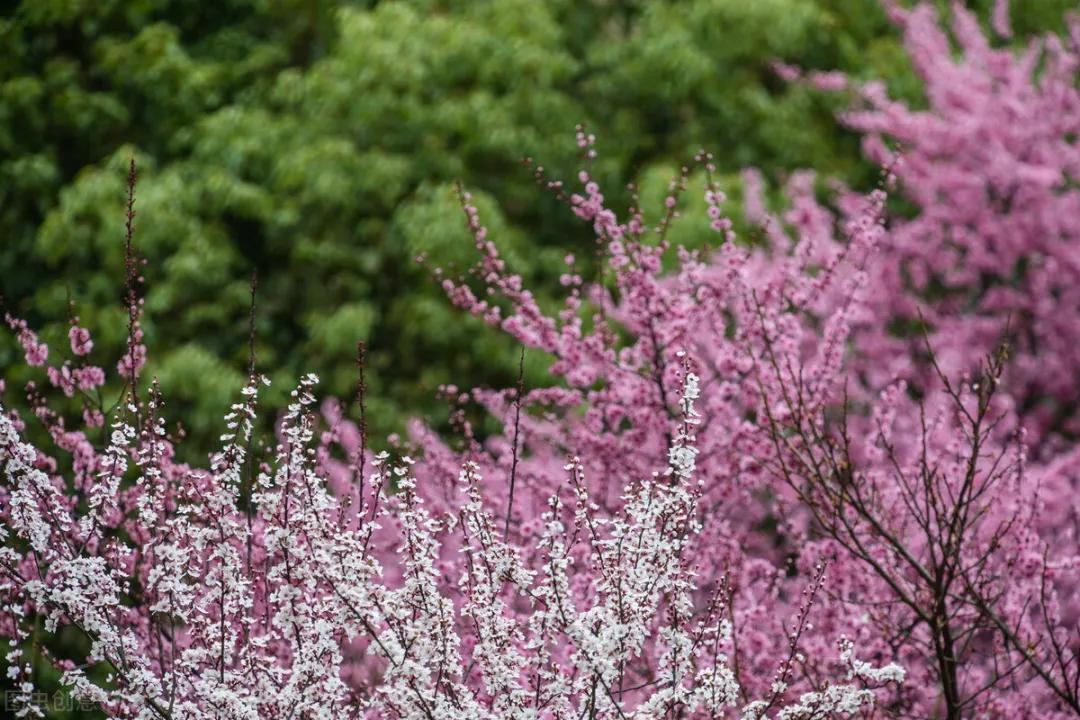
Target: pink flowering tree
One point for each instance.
(922, 506)
(748, 494)
(203, 596)
(906, 462)
(264, 586)
(991, 167)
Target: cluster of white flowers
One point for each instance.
(256, 581)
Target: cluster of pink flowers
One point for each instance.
(826, 475)
(991, 166)
(246, 591)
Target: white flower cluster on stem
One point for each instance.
(234, 592)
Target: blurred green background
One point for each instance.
(318, 143)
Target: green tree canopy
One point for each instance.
(318, 144)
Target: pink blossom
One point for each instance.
(62, 378)
(81, 344)
(88, 377)
(36, 352)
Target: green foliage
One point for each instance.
(318, 143)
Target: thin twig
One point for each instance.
(517, 429)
